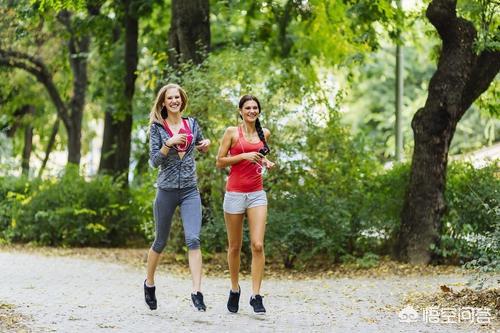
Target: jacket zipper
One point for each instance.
(180, 170)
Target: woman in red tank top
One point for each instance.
(244, 148)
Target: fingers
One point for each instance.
(268, 164)
(203, 144)
(256, 157)
(180, 138)
(202, 147)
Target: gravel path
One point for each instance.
(66, 294)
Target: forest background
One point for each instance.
(78, 78)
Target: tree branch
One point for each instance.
(483, 73)
(36, 67)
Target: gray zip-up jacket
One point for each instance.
(174, 171)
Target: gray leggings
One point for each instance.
(164, 207)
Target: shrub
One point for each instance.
(13, 192)
(75, 212)
(472, 218)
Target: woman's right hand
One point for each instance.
(177, 139)
(253, 157)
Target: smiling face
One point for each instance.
(173, 100)
(250, 111)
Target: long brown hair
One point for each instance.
(155, 114)
(258, 127)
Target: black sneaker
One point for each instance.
(149, 295)
(198, 301)
(234, 300)
(256, 303)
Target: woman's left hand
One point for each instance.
(203, 145)
(268, 164)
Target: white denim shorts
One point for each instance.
(238, 202)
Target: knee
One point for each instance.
(257, 247)
(193, 242)
(159, 245)
(234, 249)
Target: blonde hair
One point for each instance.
(155, 114)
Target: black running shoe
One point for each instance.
(256, 303)
(198, 301)
(149, 295)
(234, 300)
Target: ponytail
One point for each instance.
(260, 132)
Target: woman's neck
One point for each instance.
(174, 118)
(249, 127)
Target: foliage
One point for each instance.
(70, 211)
(13, 192)
(484, 15)
(381, 209)
(470, 227)
(368, 260)
(370, 97)
(324, 73)
(310, 216)
(351, 219)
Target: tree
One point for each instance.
(117, 137)
(69, 111)
(29, 110)
(23, 116)
(189, 35)
(462, 75)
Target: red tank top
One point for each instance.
(244, 176)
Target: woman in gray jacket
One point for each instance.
(172, 141)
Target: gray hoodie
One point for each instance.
(174, 171)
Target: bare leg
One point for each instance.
(153, 260)
(257, 226)
(195, 263)
(234, 227)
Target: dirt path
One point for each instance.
(66, 294)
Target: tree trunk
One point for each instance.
(283, 18)
(461, 77)
(78, 46)
(24, 115)
(28, 141)
(74, 144)
(124, 134)
(117, 138)
(106, 164)
(189, 35)
(50, 146)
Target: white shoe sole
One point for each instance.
(196, 309)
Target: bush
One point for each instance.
(316, 202)
(14, 192)
(75, 212)
(143, 195)
(469, 227)
(336, 206)
(472, 218)
(382, 204)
